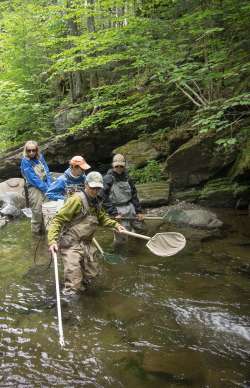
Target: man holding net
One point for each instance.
(72, 230)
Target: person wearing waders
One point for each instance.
(120, 198)
(72, 231)
(37, 178)
(71, 181)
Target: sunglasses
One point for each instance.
(31, 150)
(119, 166)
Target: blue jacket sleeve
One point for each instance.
(31, 177)
(57, 189)
(48, 176)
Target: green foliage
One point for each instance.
(226, 142)
(221, 115)
(26, 106)
(150, 173)
(20, 116)
(129, 64)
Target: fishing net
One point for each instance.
(113, 258)
(166, 244)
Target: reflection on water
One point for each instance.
(181, 321)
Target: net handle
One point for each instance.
(137, 235)
(98, 246)
(152, 218)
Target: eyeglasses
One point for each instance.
(119, 166)
(31, 150)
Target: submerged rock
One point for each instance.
(184, 366)
(188, 214)
(123, 308)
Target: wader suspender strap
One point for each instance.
(83, 213)
(84, 201)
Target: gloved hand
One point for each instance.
(53, 248)
(120, 228)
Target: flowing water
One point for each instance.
(176, 322)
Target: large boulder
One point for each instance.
(241, 168)
(139, 152)
(12, 197)
(14, 185)
(197, 161)
(193, 216)
(225, 193)
(222, 192)
(179, 136)
(158, 145)
(153, 194)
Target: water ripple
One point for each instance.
(206, 319)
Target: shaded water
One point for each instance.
(176, 322)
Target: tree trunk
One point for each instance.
(94, 82)
(79, 84)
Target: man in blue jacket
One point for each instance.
(71, 181)
(36, 173)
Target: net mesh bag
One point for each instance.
(166, 244)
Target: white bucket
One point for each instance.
(49, 210)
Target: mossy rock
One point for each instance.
(197, 161)
(223, 193)
(241, 168)
(190, 195)
(139, 152)
(179, 136)
(153, 194)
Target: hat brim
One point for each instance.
(84, 166)
(95, 185)
(115, 164)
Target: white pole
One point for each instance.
(58, 301)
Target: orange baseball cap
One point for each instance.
(79, 161)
